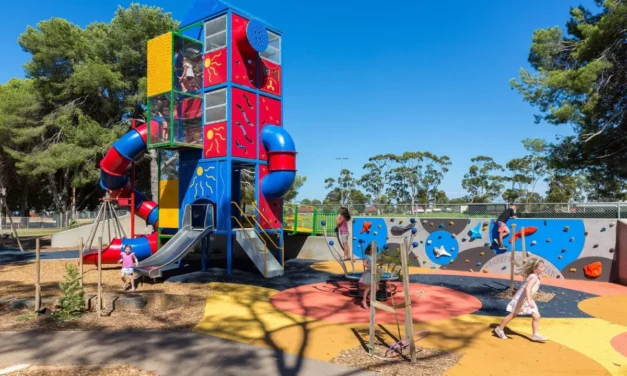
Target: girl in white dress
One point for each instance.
(524, 305)
(366, 276)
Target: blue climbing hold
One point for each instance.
(475, 233)
(441, 225)
(486, 244)
(478, 264)
(414, 230)
(603, 229)
(386, 246)
(504, 267)
(414, 244)
(413, 220)
(324, 223)
(331, 242)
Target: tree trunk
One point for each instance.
(154, 175)
(24, 204)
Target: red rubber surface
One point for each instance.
(619, 343)
(319, 301)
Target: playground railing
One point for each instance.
(281, 249)
(264, 251)
(298, 218)
(259, 228)
(600, 210)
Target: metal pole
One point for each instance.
(99, 276)
(512, 261)
(37, 276)
(80, 260)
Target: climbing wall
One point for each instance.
(571, 248)
(244, 66)
(214, 65)
(243, 126)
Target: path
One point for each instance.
(168, 353)
(11, 257)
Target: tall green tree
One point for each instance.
(579, 79)
(87, 83)
(374, 179)
(483, 181)
(299, 181)
(342, 188)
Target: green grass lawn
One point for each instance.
(36, 231)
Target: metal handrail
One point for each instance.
(265, 259)
(259, 224)
(256, 222)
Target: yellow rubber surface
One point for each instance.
(608, 308)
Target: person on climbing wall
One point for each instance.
(342, 226)
(522, 303)
(501, 223)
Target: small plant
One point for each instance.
(73, 224)
(73, 300)
(25, 317)
(390, 262)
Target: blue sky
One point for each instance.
(361, 79)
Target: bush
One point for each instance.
(73, 300)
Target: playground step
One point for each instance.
(249, 240)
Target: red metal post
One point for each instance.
(134, 125)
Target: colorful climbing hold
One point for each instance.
(572, 239)
(486, 223)
(485, 270)
(467, 261)
(422, 242)
(413, 220)
(572, 270)
(453, 235)
(441, 225)
(439, 236)
(433, 267)
(504, 267)
(478, 264)
(464, 239)
(452, 261)
(400, 222)
(595, 246)
(379, 226)
(424, 262)
(559, 257)
(486, 244)
(431, 224)
(586, 233)
(566, 228)
(414, 244)
(533, 242)
(602, 229)
(324, 223)
(563, 250)
(451, 223)
(452, 249)
(612, 224)
(414, 230)
(424, 221)
(331, 242)
(548, 240)
(611, 250)
(391, 219)
(429, 242)
(482, 254)
(593, 270)
(376, 233)
(386, 246)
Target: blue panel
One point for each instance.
(139, 199)
(203, 9)
(112, 182)
(187, 169)
(140, 246)
(223, 202)
(153, 216)
(131, 145)
(379, 234)
(257, 35)
(441, 239)
(548, 240)
(276, 184)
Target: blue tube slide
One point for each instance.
(276, 184)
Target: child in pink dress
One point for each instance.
(342, 226)
(126, 259)
(524, 304)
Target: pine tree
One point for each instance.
(73, 300)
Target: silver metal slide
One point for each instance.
(197, 224)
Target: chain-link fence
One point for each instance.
(531, 210)
(49, 221)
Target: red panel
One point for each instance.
(269, 113)
(191, 108)
(243, 124)
(215, 67)
(243, 69)
(272, 215)
(215, 140)
(270, 77)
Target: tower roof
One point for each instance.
(202, 9)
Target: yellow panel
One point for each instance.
(160, 64)
(169, 203)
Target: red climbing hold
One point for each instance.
(593, 270)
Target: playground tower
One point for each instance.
(215, 108)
